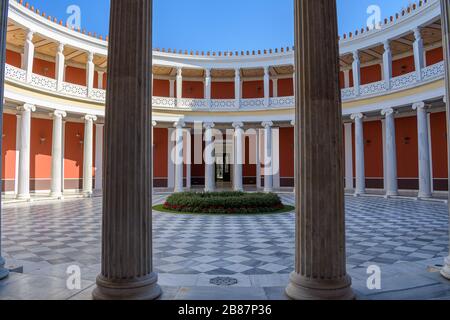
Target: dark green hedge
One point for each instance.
(223, 202)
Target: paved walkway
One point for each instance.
(47, 237)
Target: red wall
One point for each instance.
(287, 152)
(434, 56)
(193, 90)
(160, 152)
(161, 88)
(222, 90)
(285, 87)
(76, 75)
(253, 89)
(371, 74)
(44, 68)
(13, 58)
(9, 147)
(373, 149)
(249, 169)
(41, 151)
(73, 150)
(407, 148)
(403, 66)
(439, 145)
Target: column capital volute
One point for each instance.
(30, 35)
(266, 71)
(419, 106)
(387, 111)
(154, 123)
(387, 45)
(27, 107)
(209, 125)
(61, 47)
(237, 72)
(238, 125)
(357, 116)
(267, 124)
(293, 123)
(208, 73)
(179, 124)
(444, 99)
(90, 57)
(58, 114)
(90, 117)
(417, 33)
(179, 72)
(356, 55)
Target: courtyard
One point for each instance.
(195, 255)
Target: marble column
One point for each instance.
(127, 263)
(238, 180)
(87, 154)
(24, 153)
(356, 67)
(100, 81)
(387, 64)
(320, 266)
(172, 88)
(390, 152)
(425, 181)
(268, 161)
(57, 154)
(208, 86)
(359, 152)
(28, 57)
(99, 128)
(445, 10)
(266, 86)
(90, 70)
(210, 167)
(275, 88)
(179, 162)
(179, 84)
(418, 52)
(3, 28)
(348, 128)
(237, 88)
(60, 66)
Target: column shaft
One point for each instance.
(237, 88)
(356, 66)
(391, 180)
(349, 185)
(387, 64)
(90, 69)
(60, 66)
(425, 182)
(268, 160)
(239, 156)
(179, 85)
(266, 86)
(179, 163)
(99, 156)
(24, 153)
(57, 154)
(445, 10)
(359, 151)
(418, 52)
(87, 155)
(320, 267)
(127, 264)
(210, 183)
(28, 55)
(3, 28)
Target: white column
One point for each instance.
(24, 157)
(239, 156)
(63, 155)
(424, 150)
(266, 86)
(179, 85)
(29, 55)
(356, 66)
(172, 88)
(390, 180)
(258, 158)
(418, 53)
(275, 88)
(268, 163)
(348, 156)
(57, 155)
(237, 87)
(359, 151)
(87, 155)
(90, 69)
(187, 156)
(210, 183)
(99, 127)
(276, 158)
(179, 163)
(171, 157)
(207, 84)
(18, 138)
(346, 78)
(100, 83)
(387, 64)
(60, 66)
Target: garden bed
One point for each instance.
(223, 203)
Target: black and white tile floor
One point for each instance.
(379, 231)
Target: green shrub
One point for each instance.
(223, 202)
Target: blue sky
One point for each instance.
(220, 25)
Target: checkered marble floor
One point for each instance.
(381, 231)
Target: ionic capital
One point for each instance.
(387, 45)
(207, 73)
(27, 107)
(58, 114)
(90, 118)
(90, 57)
(179, 124)
(387, 112)
(267, 124)
(179, 72)
(419, 106)
(417, 33)
(154, 123)
(356, 116)
(60, 47)
(209, 125)
(356, 56)
(30, 35)
(238, 125)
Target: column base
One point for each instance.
(445, 272)
(424, 196)
(25, 197)
(301, 288)
(391, 194)
(145, 289)
(87, 194)
(57, 195)
(3, 271)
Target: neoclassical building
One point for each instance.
(392, 86)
